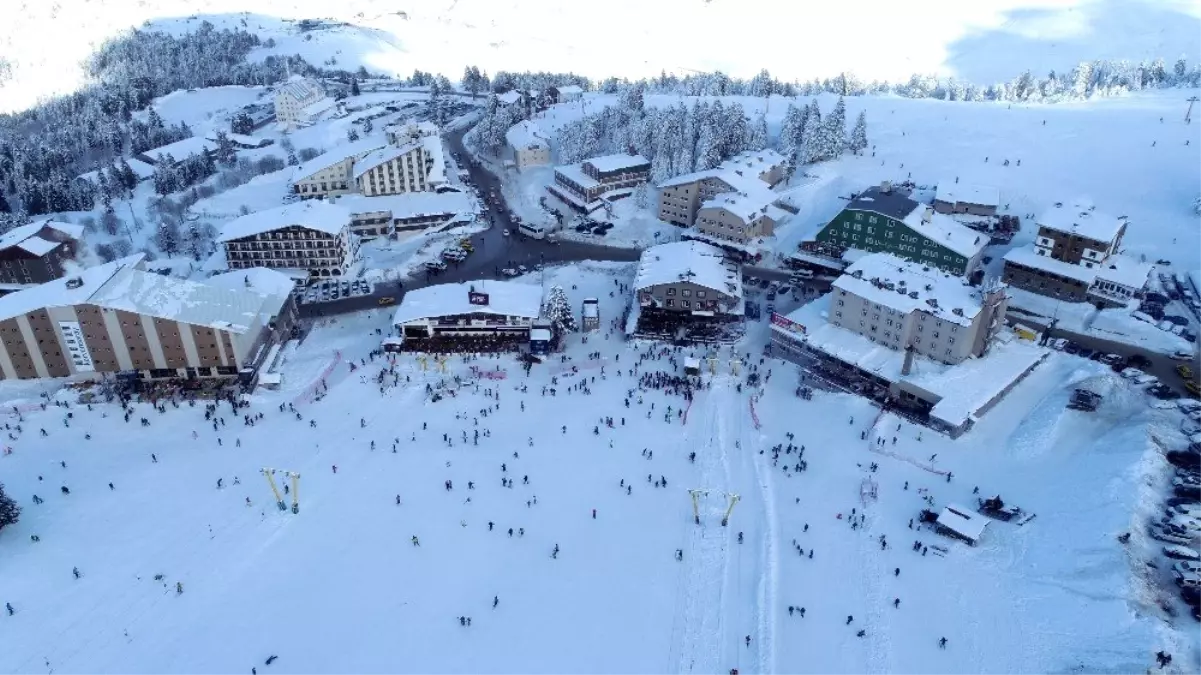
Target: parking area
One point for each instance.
(331, 290)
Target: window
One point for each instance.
(838, 314)
(700, 294)
(686, 303)
(671, 291)
(951, 341)
(842, 303)
(686, 293)
(671, 303)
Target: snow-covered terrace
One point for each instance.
(963, 193)
(312, 214)
(408, 204)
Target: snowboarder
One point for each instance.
(179, 588)
(398, 500)
(850, 619)
(791, 609)
(594, 514)
(802, 610)
(896, 602)
(416, 541)
(748, 641)
(75, 571)
(896, 572)
(334, 468)
(942, 643)
(11, 611)
(110, 486)
(153, 458)
(495, 601)
(271, 659)
(739, 537)
(219, 485)
(861, 633)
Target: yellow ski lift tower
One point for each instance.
(424, 363)
(696, 508)
(442, 363)
(725, 520)
(269, 473)
(295, 490)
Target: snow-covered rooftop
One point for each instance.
(945, 231)
(299, 88)
(913, 288)
(756, 161)
(408, 204)
(179, 150)
(413, 129)
(575, 173)
(748, 204)
(1026, 257)
(319, 106)
(570, 89)
(963, 388)
(1082, 219)
(962, 193)
(25, 236)
(384, 154)
(59, 293)
(617, 162)
(312, 214)
(691, 261)
(892, 202)
(526, 134)
(1124, 270)
(506, 298)
(685, 178)
(338, 154)
(436, 174)
(135, 290)
(509, 97)
(963, 521)
(273, 285)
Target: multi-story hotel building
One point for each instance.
(313, 236)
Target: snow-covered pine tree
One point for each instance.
(642, 197)
(858, 141)
(354, 86)
(352, 134)
(789, 130)
(227, 155)
(558, 311)
(836, 130)
(757, 134)
(10, 511)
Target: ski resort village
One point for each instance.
(320, 353)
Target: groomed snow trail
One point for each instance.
(759, 510)
(697, 643)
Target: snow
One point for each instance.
(505, 298)
(274, 285)
(575, 173)
(165, 297)
(1081, 218)
(1124, 270)
(181, 149)
(240, 139)
(434, 150)
(1116, 324)
(748, 203)
(526, 134)
(948, 291)
(384, 154)
(38, 246)
(945, 231)
(570, 89)
(617, 162)
(1028, 258)
(509, 97)
(312, 214)
(963, 193)
(963, 520)
(57, 293)
(338, 154)
(691, 261)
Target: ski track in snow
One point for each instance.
(764, 644)
(697, 645)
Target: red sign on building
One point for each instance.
(787, 324)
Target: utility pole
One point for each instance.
(1191, 100)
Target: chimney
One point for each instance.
(74, 282)
(907, 365)
(928, 214)
(886, 187)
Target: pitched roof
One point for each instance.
(945, 231)
(507, 298)
(331, 157)
(894, 203)
(384, 154)
(63, 292)
(164, 297)
(1081, 218)
(299, 88)
(526, 134)
(749, 204)
(570, 89)
(691, 261)
(26, 236)
(312, 214)
(509, 97)
(963, 521)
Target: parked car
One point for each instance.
(1188, 404)
(1159, 298)
(1176, 319)
(1059, 344)
(1111, 359)
(509, 272)
(437, 265)
(1071, 348)
(1184, 371)
(1132, 373)
(1187, 567)
(1181, 553)
(1164, 393)
(1168, 536)
(1146, 380)
(784, 290)
(386, 300)
(1182, 355)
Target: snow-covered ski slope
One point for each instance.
(985, 42)
(340, 588)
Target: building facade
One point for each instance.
(311, 236)
(688, 277)
(332, 173)
(474, 316)
(393, 170)
(294, 98)
(121, 318)
(681, 197)
(738, 217)
(528, 145)
(901, 305)
(578, 185)
(1075, 257)
(884, 220)
(37, 252)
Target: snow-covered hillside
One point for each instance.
(342, 587)
(978, 41)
